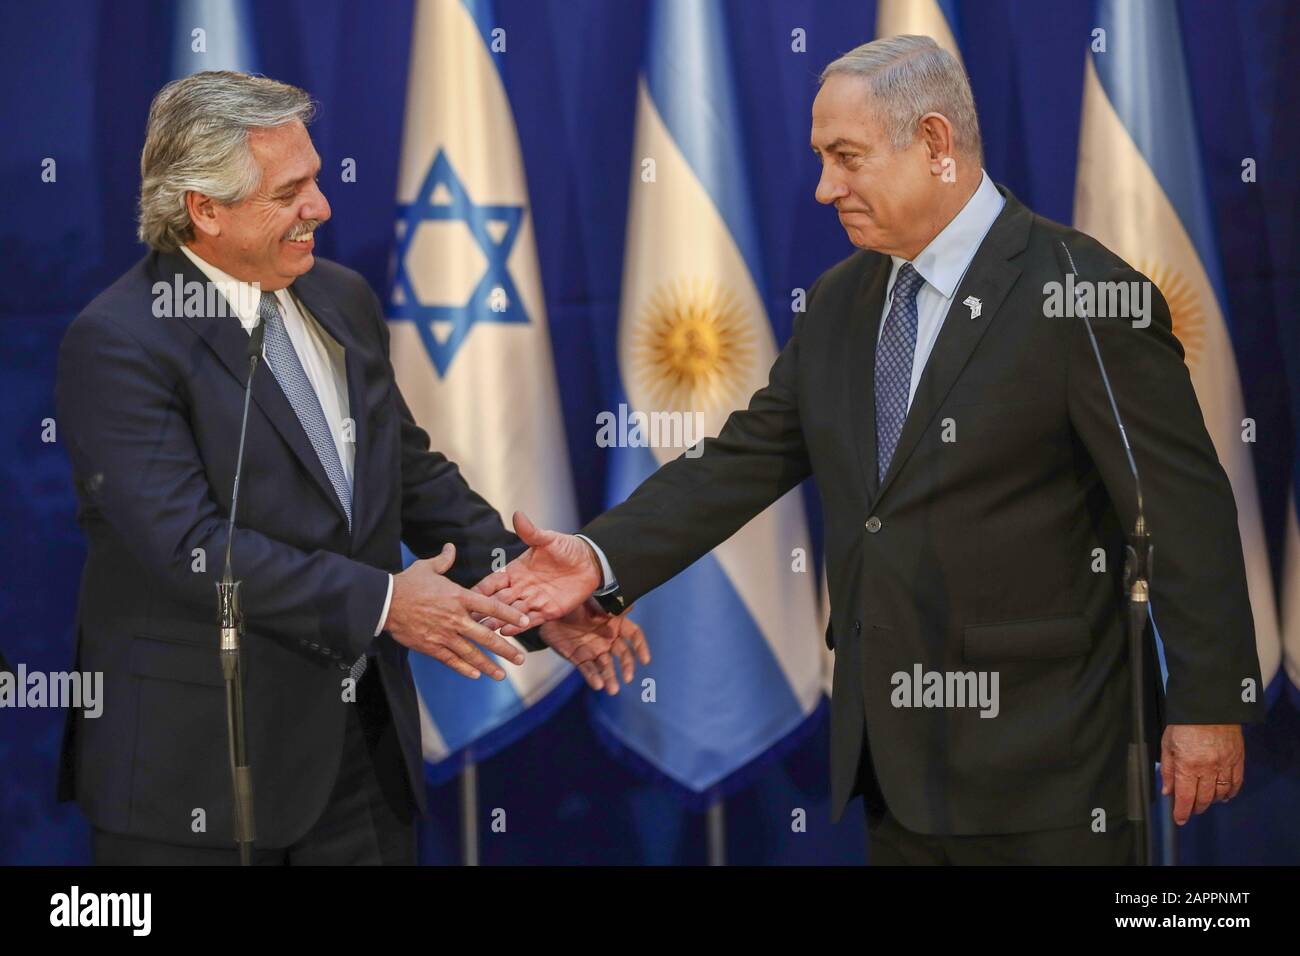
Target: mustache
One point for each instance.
(304, 228)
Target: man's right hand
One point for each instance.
(432, 615)
(553, 577)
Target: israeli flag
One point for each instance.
(211, 35)
(470, 343)
(1140, 192)
(936, 19)
(736, 662)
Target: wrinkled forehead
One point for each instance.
(843, 110)
(285, 153)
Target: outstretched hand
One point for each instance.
(587, 638)
(553, 577)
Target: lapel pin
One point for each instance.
(973, 304)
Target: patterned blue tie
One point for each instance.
(285, 364)
(894, 354)
(288, 370)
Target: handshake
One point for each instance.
(547, 585)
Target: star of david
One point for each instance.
(442, 198)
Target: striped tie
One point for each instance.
(283, 359)
(894, 355)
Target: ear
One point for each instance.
(937, 139)
(203, 213)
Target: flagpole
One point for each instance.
(717, 830)
(469, 812)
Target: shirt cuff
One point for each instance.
(607, 573)
(383, 615)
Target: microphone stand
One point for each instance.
(230, 619)
(1138, 559)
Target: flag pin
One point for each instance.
(973, 304)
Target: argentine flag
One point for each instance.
(211, 35)
(936, 19)
(1140, 192)
(470, 344)
(736, 663)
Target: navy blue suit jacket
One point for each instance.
(149, 409)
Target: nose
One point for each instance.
(316, 205)
(829, 186)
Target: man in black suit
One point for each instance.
(336, 475)
(972, 474)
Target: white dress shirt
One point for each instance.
(322, 359)
(942, 264)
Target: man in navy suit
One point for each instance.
(336, 475)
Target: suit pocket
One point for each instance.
(1039, 639)
(180, 763)
(1037, 670)
(174, 661)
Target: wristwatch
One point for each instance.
(610, 599)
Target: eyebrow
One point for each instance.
(837, 144)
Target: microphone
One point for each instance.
(1139, 555)
(1066, 261)
(254, 353)
(230, 620)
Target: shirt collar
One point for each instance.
(944, 261)
(242, 297)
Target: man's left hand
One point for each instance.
(1201, 764)
(587, 638)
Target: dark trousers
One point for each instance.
(368, 819)
(889, 843)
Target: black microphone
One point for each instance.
(230, 621)
(1066, 262)
(1139, 555)
(254, 353)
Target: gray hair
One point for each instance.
(909, 76)
(197, 140)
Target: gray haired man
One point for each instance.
(970, 469)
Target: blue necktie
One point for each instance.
(288, 370)
(285, 364)
(894, 354)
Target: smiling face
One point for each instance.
(267, 236)
(889, 200)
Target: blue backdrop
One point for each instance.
(78, 76)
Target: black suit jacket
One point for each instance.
(149, 409)
(977, 554)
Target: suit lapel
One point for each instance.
(989, 278)
(319, 303)
(864, 327)
(225, 337)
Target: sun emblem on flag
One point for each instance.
(1184, 308)
(692, 347)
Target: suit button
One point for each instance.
(857, 627)
(873, 524)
